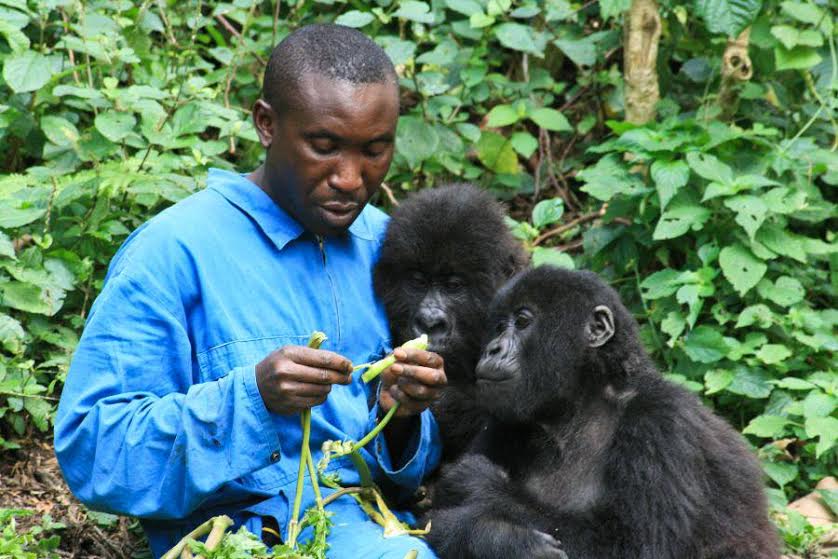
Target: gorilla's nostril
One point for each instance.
(432, 322)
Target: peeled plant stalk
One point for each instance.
(378, 367)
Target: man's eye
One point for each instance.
(323, 146)
(377, 149)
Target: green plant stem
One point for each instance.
(205, 528)
(378, 367)
(363, 469)
(293, 524)
(315, 484)
(377, 429)
(340, 493)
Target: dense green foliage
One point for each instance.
(719, 235)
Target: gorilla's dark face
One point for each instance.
(547, 326)
(446, 252)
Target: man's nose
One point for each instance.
(348, 175)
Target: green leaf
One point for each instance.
(501, 115)
(26, 71)
(771, 354)
(355, 18)
(480, 20)
(496, 153)
(18, 41)
(741, 268)
(709, 167)
(608, 178)
(465, 7)
(793, 383)
(60, 131)
(552, 257)
(807, 12)
(517, 37)
(717, 380)
(550, 119)
(416, 140)
(547, 212)
(767, 426)
(705, 345)
(18, 217)
(11, 335)
(782, 242)
(524, 143)
(782, 473)
(755, 314)
(669, 177)
(786, 292)
(613, 8)
(114, 125)
(798, 58)
(581, 51)
(32, 298)
(728, 16)
(7, 247)
(826, 429)
(679, 219)
(415, 11)
(750, 382)
(750, 212)
(661, 284)
(399, 51)
(818, 404)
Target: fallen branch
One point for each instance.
(570, 225)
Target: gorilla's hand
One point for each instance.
(416, 380)
(294, 378)
(544, 546)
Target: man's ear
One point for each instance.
(264, 119)
(600, 327)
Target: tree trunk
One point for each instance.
(640, 54)
(736, 70)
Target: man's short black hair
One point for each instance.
(326, 49)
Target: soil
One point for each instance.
(30, 479)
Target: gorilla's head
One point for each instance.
(446, 252)
(556, 336)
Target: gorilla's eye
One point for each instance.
(417, 279)
(523, 318)
(453, 283)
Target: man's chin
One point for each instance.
(334, 223)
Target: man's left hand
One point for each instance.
(416, 380)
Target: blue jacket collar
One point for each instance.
(275, 222)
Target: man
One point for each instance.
(183, 398)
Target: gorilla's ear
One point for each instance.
(600, 327)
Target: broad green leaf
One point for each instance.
(807, 12)
(552, 257)
(11, 334)
(496, 153)
(679, 219)
(717, 380)
(412, 10)
(729, 17)
(550, 119)
(830, 499)
(661, 284)
(771, 354)
(792, 37)
(547, 212)
(60, 131)
(758, 314)
(750, 212)
(518, 37)
(399, 51)
(705, 345)
(767, 426)
(750, 382)
(114, 125)
(7, 247)
(818, 404)
(798, 58)
(581, 51)
(465, 7)
(18, 41)
(355, 18)
(793, 383)
(709, 167)
(741, 268)
(501, 115)
(26, 71)
(669, 177)
(613, 8)
(782, 242)
(608, 178)
(782, 473)
(18, 217)
(480, 20)
(786, 292)
(826, 429)
(416, 140)
(524, 143)
(31, 298)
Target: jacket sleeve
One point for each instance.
(134, 434)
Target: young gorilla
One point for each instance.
(446, 251)
(590, 453)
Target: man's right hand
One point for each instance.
(295, 378)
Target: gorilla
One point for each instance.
(445, 253)
(590, 453)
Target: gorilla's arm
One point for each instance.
(477, 513)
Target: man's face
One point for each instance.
(329, 153)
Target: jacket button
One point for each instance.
(275, 456)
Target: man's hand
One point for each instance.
(416, 380)
(294, 378)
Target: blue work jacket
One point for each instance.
(160, 416)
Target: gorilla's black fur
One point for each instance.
(445, 253)
(590, 452)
